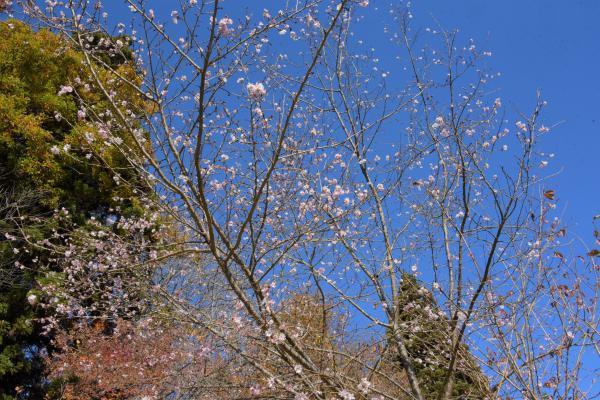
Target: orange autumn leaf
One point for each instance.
(549, 194)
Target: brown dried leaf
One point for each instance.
(549, 194)
(594, 253)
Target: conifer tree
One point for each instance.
(427, 333)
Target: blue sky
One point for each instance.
(550, 45)
(553, 46)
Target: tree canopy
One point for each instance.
(46, 164)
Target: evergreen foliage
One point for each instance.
(427, 335)
(42, 169)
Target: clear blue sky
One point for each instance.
(553, 46)
(550, 45)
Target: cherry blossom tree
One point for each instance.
(294, 161)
